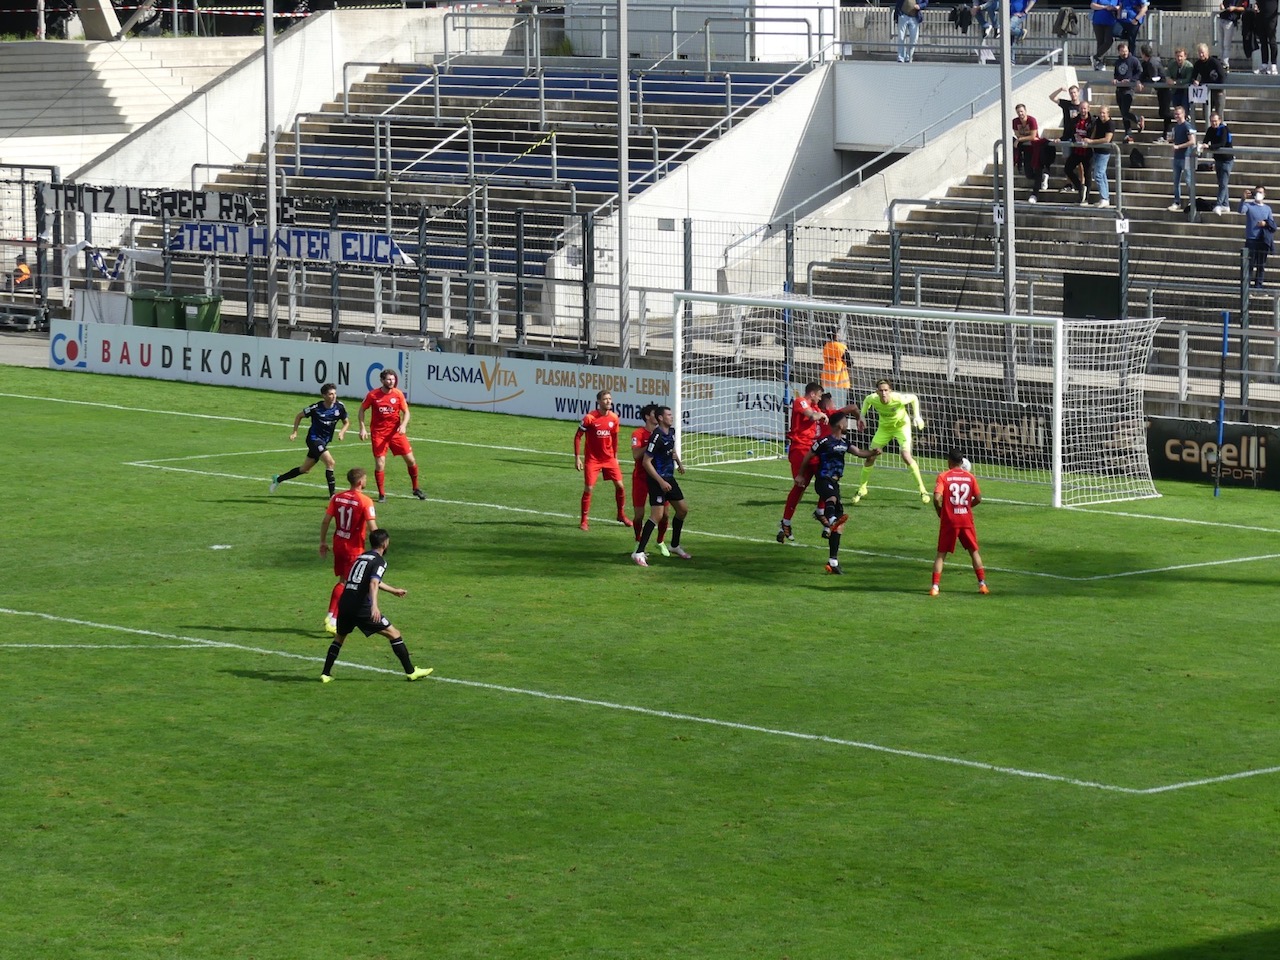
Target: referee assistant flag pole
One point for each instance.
(1222, 403)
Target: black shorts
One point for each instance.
(658, 496)
(828, 488)
(359, 619)
(316, 450)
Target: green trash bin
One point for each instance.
(143, 304)
(203, 313)
(167, 313)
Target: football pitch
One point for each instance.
(737, 756)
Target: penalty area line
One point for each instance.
(189, 642)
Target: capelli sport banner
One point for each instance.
(1189, 450)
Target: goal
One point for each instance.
(1053, 403)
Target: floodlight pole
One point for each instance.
(624, 190)
(268, 72)
(1006, 125)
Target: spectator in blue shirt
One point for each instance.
(1104, 21)
(1259, 232)
(1184, 155)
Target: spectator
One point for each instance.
(1101, 132)
(1180, 78)
(20, 277)
(985, 13)
(1259, 233)
(1104, 23)
(1025, 129)
(1041, 152)
(1077, 180)
(1229, 24)
(1129, 19)
(1265, 29)
(1218, 139)
(1153, 77)
(1184, 146)
(1127, 78)
(1070, 107)
(909, 14)
(1018, 10)
(1207, 72)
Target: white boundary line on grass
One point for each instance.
(559, 453)
(1093, 578)
(193, 643)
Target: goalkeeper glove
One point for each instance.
(919, 423)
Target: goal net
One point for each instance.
(1044, 401)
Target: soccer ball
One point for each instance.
(966, 466)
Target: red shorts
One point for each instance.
(947, 536)
(397, 443)
(344, 555)
(798, 456)
(639, 492)
(592, 469)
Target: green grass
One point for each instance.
(177, 783)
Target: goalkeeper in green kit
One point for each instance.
(896, 414)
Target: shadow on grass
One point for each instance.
(224, 628)
(1258, 945)
(274, 676)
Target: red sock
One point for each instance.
(380, 476)
(793, 501)
(621, 496)
(334, 597)
(662, 529)
(586, 504)
(413, 475)
(937, 578)
(982, 574)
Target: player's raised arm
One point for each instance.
(296, 421)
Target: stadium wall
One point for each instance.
(224, 122)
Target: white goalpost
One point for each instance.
(1050, 402)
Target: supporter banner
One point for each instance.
(332, 246)
(559, 391)
(1188, 450)
(150, 202)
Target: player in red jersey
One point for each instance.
(388, 426)
(600, 427)
(355, 515)
(808, 425)
(640, 479)
(954, 496)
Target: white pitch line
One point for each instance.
(101, 646)
(560, 453)
(716, 535)
(201, 642)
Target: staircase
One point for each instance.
(67, 102)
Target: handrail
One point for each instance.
(715, 127)
(1114, 148)
(469, 15)
(897, 147)
(464, 129)
(706, 32)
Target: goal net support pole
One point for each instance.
(1053, 403)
